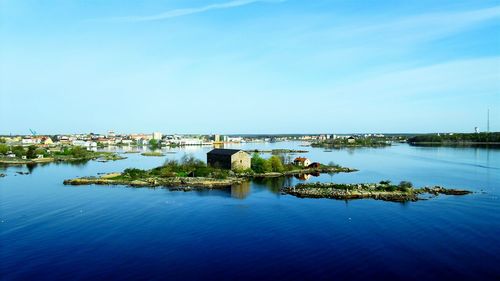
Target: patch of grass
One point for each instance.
(153, 154)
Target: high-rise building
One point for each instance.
(157, 136)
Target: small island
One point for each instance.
(192, 172)
(353, 142)
(384, 190)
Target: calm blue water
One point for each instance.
(49, 231)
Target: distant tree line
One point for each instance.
(33, 151)
(456, 138)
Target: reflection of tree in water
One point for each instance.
(241, 190)
(331, 174)
(31, 167)
(76, 163)
(274, 184)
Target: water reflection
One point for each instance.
(31, 166)
(75, 163)
(240, 191)
(222, 192)
(274, 184)
(307, 176)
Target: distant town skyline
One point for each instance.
(249, 66)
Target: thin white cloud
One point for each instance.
(188, 11)
(419, 28)
(433, 25)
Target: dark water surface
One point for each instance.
(49, 231)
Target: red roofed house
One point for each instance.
(302, 161)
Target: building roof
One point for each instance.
(300, 159)
(222, 151)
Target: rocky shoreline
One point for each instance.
(173, 182)
(376, 191)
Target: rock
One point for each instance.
(359, 191)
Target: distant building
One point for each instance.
(233, 159)
(27, 141)
(351, 140)
(47, 141)
(157, 136)
(302, 161)
(142, 142)
(476, 130)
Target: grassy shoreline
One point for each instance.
(152, 154)
(100, 156)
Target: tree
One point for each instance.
(41, 151)
(18, 151)
(260, 165)
(4, 148)
(405, 186)
(276, 164)
(79, 152)
(153, 143)
(31, 153)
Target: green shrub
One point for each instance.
(405, 186)
(390, 188)
(220, 174)
(276, 164)
(18, 151)
(4, 149)
(134, 173)
(202, 172)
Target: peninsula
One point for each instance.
(19, 155)
(456, 139)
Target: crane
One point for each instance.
(33, 132)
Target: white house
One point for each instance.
(302, 161)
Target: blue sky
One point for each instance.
(249, 66)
